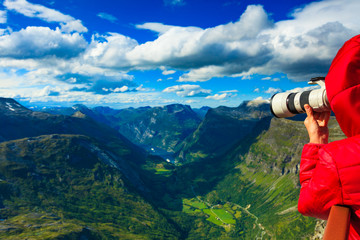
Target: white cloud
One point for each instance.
(131, 99)
(142, 89)
(202, 74)
(300, 47)
(304, 46)
(192, 101)
(46, 14)
(126, 99)
(39, 87)
(295, 90)
(257, 90)
(188, 90)
(155, 27)
(196, 48)
(36, 11)
(3, 17)
(72, 26)
(39, 42)
(257, 101)
(230, 91)
(122, 89)
(107, 16)
(272, 90)
(218, 96)
(30, 85)
(167, 72)
(271, 79)
(109, 51)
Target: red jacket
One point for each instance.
(330, 174)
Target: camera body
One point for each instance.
(287, 104)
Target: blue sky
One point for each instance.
(139, 53)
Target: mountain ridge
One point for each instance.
(247, 190)
(162, 127)
(221, 128)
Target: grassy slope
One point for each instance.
(253, 188)
(267, 178)
(58, 187)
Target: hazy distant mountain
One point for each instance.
(160, 127)
(201, 112)
(221, 128)
(18, 122)
(98, 113)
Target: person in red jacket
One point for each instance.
(330, 172)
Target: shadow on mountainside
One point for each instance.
(202, 176)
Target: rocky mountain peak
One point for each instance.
(79, 114)
(9, 105)
(174, 108)
(80, 107)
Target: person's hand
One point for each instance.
(316, 125)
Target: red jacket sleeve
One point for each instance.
(320, 184)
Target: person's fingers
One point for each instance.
(321, 120)
(309, 121)
(317, 115)
(320, 116)
(309, 111)
(316, 125)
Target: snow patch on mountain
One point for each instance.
(10, 107)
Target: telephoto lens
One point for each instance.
(288, 104)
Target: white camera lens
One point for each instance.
(288, 104)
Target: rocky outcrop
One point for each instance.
(319, 230)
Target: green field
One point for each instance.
(163, 171)
(224, 215)
(212, 217)
(221, 215)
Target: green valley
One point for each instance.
(69, 177)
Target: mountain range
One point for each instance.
(221, 128)
(67, 177)
(74, 174)
(161, 127)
